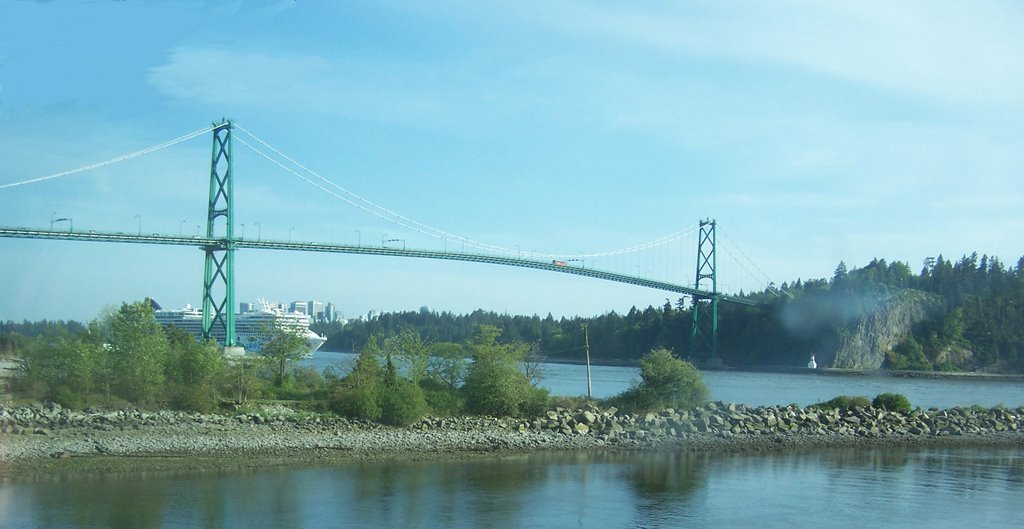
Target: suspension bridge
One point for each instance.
(220, 242)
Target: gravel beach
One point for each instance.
(43, 441)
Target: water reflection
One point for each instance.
(834, 488)
(668, 474)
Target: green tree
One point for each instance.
(494, 385)
(908, 355)
(138, 349)
(61, 367)
(412, 352)
(447, 365)
(240, 376)
(285, 346)
(357, 395)
(193, 371)
(401, 401)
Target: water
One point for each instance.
(896, 487)
(834, 488)
(765, 388)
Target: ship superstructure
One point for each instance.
(251, 327)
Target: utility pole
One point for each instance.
(586, 349)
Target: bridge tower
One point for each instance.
(704, 336)
(219, 273)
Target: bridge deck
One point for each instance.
(204, 242)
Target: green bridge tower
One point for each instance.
(704, 335)
(219, 273)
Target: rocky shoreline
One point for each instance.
(41, 438)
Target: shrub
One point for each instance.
(536, 402)
(356, 402)
(402, 403)
(666, 382)
(892, 402)
(358, 394)
(442, 398)
(843, 402)
(377, 393)
(68, 399)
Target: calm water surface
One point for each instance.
(765, 388)
(869, 488)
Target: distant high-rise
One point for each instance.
(301, 307)
(315, 310)
(245, 306)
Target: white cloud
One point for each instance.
(308, 84)
(958, 52)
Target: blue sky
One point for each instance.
(814, 132)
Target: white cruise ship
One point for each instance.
(249, 326)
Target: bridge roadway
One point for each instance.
(204, 242)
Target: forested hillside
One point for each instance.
(968, 315)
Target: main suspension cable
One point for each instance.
(111, 161)
(397, 218)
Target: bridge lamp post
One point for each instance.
(259, 231)
(51, 219)
(359, 238)
(71, 223)
(181, 228)
(290, 230)
(243, 231)
(139, 218)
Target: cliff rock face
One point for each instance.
(864, 343)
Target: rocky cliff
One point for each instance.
(864, 342)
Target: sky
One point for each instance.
(812, 132)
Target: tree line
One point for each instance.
(975, 304)
(127, 358)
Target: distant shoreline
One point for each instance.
(952, 375)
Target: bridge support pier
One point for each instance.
(219, 272)
(704, 334)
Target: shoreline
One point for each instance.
(951, 375)
(93, 466)
(46, 442)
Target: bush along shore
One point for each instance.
(47, 432)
